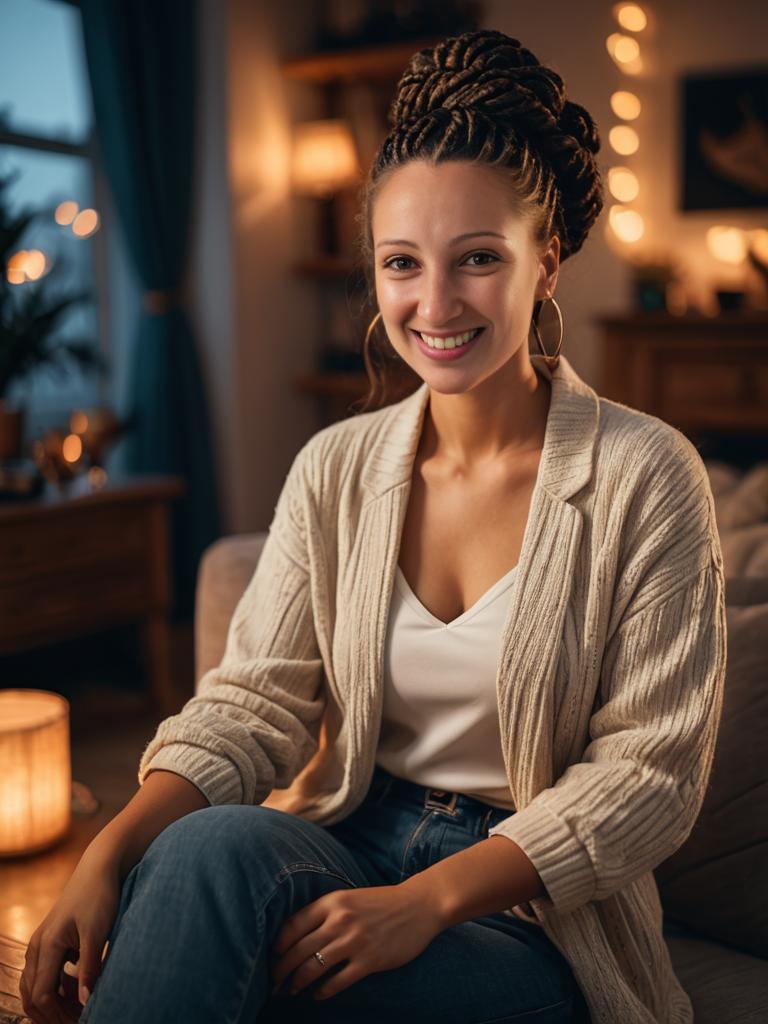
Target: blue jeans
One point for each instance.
(200, 911)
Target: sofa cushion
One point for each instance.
(717, 882)
(225, 571)
(741, 498)
(725, 985)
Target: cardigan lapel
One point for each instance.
(539, 597)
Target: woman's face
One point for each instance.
(452, 256)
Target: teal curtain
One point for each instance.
(142, 64)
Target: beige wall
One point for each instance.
(260, 325)
(255, 318)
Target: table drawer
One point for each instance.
(75, 539)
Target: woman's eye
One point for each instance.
(390, 263)
(482, 256)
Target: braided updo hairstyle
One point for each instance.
(483, 97)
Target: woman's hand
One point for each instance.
(373, 929)
(75, 930)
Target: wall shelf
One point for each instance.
(371, 63)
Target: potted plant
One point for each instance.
(31, 313)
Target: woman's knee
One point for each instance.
(226, 833)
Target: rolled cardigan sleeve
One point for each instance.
(635, 795)
(254, 722)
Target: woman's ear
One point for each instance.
(549, 269)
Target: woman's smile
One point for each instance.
(445, 347)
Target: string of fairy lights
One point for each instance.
(625, 221)
(727, 244)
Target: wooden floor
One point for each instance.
(111, 721)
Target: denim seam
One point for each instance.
(425, 818)
(260, 915)
(289, 869)
(254, 961)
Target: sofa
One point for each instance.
(714, 889)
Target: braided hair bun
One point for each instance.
(482, 96)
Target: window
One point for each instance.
(46, 133)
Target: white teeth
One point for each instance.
(453, 342)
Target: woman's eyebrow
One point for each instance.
(458, 238)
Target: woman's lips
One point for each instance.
(445, 354)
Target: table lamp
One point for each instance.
(324, 161)
(35, 771)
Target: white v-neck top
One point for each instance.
(440, 718)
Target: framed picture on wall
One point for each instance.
(725, 140)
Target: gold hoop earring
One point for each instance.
(371, 326)
(553, 359)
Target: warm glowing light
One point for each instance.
(758, 243)
(66, 212)
(623, 184)
(631, 17)
(72, 448)
(85, 223)
(36, 780)
(78, 422)
(35, 264)
(623, 49)
(625, 105)
(627, 225)
(324, 158)
(624, 139)
(727, 244)
(97, 477)
(26, 265)
(19, 261)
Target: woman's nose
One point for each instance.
(438, 302)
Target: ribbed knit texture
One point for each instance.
(609, 681)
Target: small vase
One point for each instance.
(11, 431)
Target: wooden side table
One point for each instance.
(76, 562)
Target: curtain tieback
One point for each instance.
(161, 300)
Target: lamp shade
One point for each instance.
(35, 770)
(324, 158)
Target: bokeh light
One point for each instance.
(66, 212)
(85, 223)
(728, 244)
(625, 105)
(623, 184)
(624, 140)
(632, 17)
(626, 224)
(72, 448)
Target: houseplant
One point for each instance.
(31, 315)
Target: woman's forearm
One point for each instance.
(162, 799)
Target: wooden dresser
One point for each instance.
(708, 376)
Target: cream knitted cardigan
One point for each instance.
(609, 681)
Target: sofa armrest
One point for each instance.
(225, 571)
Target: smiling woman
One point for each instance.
(476, 676)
